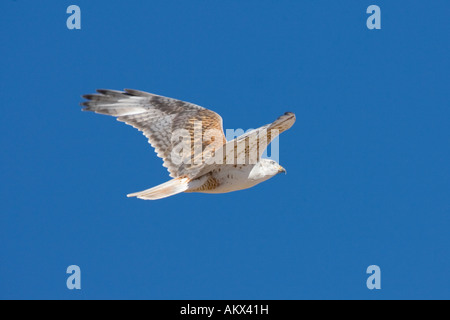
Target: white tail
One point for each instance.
(164, 190)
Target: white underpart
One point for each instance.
(234, 178)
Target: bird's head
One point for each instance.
(266, 169)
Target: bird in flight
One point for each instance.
(191, 142)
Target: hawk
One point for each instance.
(206, 162)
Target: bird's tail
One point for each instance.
(164, 190)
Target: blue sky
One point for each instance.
(368, 159)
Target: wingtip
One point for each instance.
(290, 115)
(109, 91)
(138, 93)
(85, 106)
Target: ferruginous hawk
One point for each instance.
(202, 160)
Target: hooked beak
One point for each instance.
(281, 169)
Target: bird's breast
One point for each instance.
(228, 178)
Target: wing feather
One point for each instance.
(158, 117)
(249, 147)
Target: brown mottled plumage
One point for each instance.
(159, 118)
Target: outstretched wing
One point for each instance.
(249, 147)
(158, 117)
